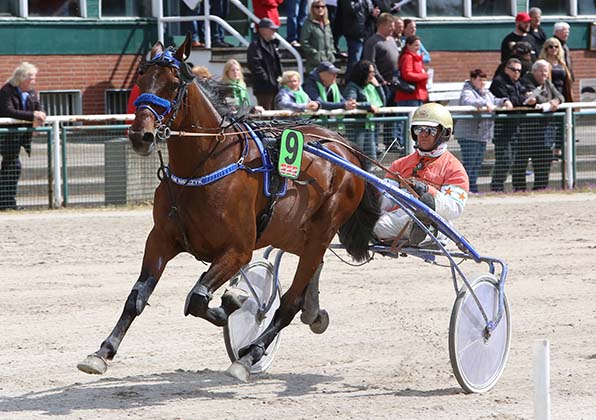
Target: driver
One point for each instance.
(437, 176)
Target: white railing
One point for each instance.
(56, 121)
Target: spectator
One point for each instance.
(560, 74)
(321, 86)
(202, 73)
(18, 100)
(267, 9)
(264, 63)
(561, 32)
(506, 85)
(364, 88)
(522, 50)
(534, 141)
(382, 51)
(356, 20)
(537, 34)
(316, 37)
(438, 177)
(410, 30)
(233, 76)
(398, 31)
(219, 8)
(291, 96)
(195, 27)
(412, 71)
(520, 33)
(474, 134)
(296, 16)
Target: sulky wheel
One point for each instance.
(478, 361)
(247, 323)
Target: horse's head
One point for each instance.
(162, 85)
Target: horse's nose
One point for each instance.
(148, 137)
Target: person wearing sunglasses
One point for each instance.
(552, 51)
(506, 85)
(316, 37)
(436, 175)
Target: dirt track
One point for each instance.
(65, 275)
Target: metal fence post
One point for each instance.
(57, 159)
(569, 172)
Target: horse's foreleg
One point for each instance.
(156, 256)
(221, 270)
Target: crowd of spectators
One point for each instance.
(386, 65)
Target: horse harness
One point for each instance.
(274, 186)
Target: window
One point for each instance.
(550, 7)
(9, 8)
(61, 102)
(140, 8)
(491, 7)
(58, 8)
(586, 7)
(438, 8)
(116, 100)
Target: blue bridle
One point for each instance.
(148, 100)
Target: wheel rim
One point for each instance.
(479, 362)
(244, 326)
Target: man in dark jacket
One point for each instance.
(17, 100)
(264, 62)
(506, 85)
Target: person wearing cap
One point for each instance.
(321, 86)
(520, 33)
(474, 134)
(436, 175)
(264, 62)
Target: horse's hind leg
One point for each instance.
(156, 256)
(312, 314)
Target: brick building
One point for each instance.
(89, 54)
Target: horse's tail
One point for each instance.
(356, 233)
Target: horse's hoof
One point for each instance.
(93, 364)
(321, 323)
(233, 299)
(239, 371)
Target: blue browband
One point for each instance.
(145, 100)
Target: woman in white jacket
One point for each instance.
(473, 134)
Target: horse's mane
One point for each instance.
(219, 94)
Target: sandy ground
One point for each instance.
(65, 275)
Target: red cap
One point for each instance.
(523, 17)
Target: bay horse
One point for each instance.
(218, 222)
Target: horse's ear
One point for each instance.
(156, 49)
(183, 51)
